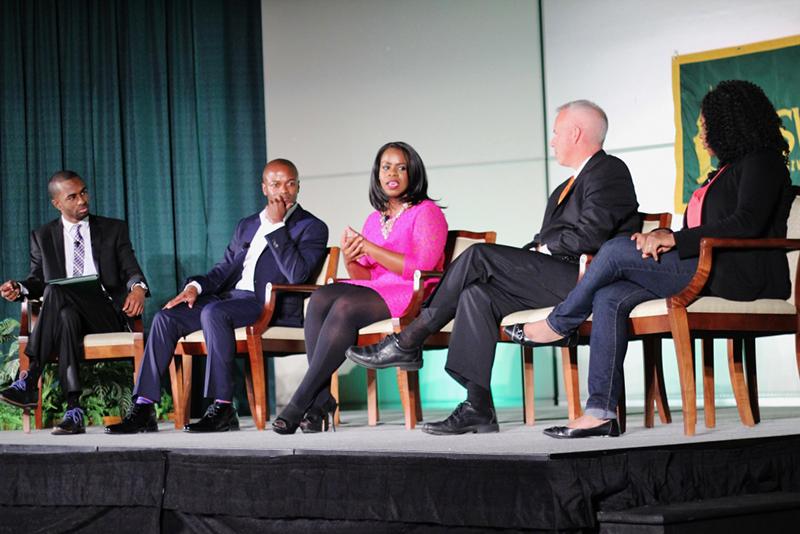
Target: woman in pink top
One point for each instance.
(407, 231)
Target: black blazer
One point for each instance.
(600, 205)
(752, 198)
(111, 250)
(292, 254)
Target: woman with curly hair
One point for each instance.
(748, 196)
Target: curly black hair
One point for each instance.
(740, 119)
(417, 178)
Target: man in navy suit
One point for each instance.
(282, 244)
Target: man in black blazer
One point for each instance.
(488, 282)
(282, 244)
(75, 244)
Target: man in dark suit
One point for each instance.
(75, 244)
(488, 282)
(282, 244)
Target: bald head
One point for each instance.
(579, 132)
(280, 179)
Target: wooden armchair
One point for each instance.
(255, 342)
(688, 315)
(110, 346)
(655, 391)
(408, 381)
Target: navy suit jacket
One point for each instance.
(293, 253)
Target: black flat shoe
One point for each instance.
(387, 353)
(219, 417)
(464, 419)
(319, 419)
(516, 332)
(610, 428)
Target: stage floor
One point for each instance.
(391, 438)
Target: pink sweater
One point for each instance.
(420, 234)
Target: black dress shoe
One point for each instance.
(22, 393)
(517, 334)
(319, 419)
(387, 353)
(219, 417)
(465, 418)
(71, 423)
(140, 418)
(609, 428)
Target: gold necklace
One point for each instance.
(387, 221)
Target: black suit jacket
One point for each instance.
(111, 250)
(600, 205)
(292, 255)
(752, 198)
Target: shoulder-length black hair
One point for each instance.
(740, 119)
(417, 190)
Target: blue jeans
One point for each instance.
(617, 280)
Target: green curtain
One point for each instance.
(158, 104)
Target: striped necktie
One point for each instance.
(78, 251)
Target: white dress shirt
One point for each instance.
(257, 246)
(543, 247)
(69, 247)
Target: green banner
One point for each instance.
(773, 65)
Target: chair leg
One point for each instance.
(186, 408)
(709, 406)
(337, 419)
(176, 381)
(413, 384)
(738, 381)
(622, 409)
(408, 400)
(257, 384)
(655, 390)
(662, 403)
(752, 378)
(24, 365)
(649, 345)
(528, 408)
(569, 362)
(248, 388)
(372, 397)
(138, 356)
(679, 325)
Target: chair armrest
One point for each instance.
(418, 296)
(257, 328)
(29, 313)
(704, 264)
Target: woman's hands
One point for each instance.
(654, 243)
(353, 245)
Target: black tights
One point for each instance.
(335, 314)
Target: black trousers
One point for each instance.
(64, 319)
(483, 285)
